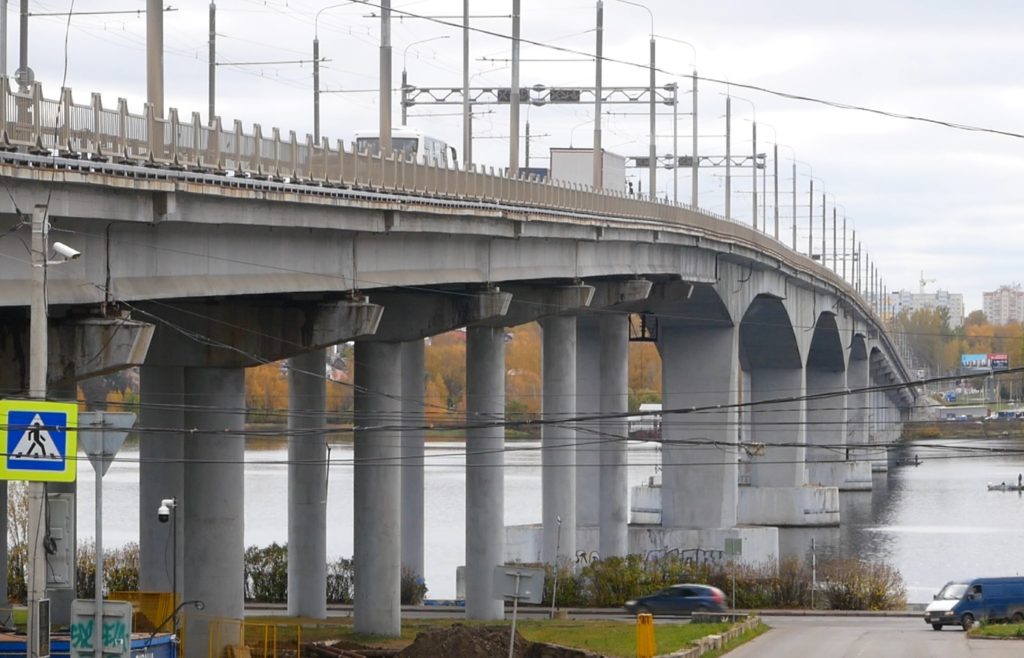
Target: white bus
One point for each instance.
(426, 149)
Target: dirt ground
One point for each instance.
(456, 641)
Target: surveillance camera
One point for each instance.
(65, 251)
(163, 513)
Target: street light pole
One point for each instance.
(513, 101)
(652, 168)
(212, 111)
(597, 177)
(405, 78)
(384, 138)
(728, 157)
(155, 56)
(694, 162)
(775, 177)
(467, 118)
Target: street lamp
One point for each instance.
(405, 81)
(653, 155)
(169, 510)
(316, 68)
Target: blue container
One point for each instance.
(159, 646)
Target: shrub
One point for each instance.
(266, 573)
(340, 577)
(120, 569)
(856, 584)
(413, 588)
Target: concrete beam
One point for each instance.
(247, 332)
(416, 315)
(533, 302)
(80, 348)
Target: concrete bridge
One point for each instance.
(219, 249)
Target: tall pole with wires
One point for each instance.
(155, 56)
(385, 78)
(513, 101)
(696, 161)
(212, 111)
(467, 117)
(775, 179)
(597, 176)
(728, 157)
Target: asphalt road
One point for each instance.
(869, 637)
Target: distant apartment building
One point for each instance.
(905, 300)
(1004, 305)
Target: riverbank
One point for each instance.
(963, 429)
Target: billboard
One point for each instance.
(999, 361)
(974, 361)
(985, 361)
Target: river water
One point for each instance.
(933, 522)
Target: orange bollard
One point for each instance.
(645, 645)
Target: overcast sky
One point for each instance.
(921, 197)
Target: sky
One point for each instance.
(921, 197)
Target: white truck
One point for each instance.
(577, 166)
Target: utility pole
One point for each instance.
(527, 144)
(835, 254)
(652, 184)
(513, 144)
(24, 76)
(3, 37)
(823, 232)
(467, 117)
(693, 164)
(154, 56)
(598, 171)
(775, 178)
(794, 205)
(38, 359)
(728, 157)
(844, 246)
(810, 223)
(384, 139)
(753, 174)
(213, 64)
(675, 143)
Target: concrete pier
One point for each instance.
(412, 455)
(485, 460)
(558, 442)
(307, 486)
(377, 489)
(614, 485)
(213, 506)
(588, 403)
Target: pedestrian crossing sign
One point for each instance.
(40, 440)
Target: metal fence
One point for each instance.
(30, 122)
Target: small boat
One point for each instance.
(1002, 486)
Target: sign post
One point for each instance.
(514, 582)
(101, 435)
(733, 549)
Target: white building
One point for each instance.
(905, 300)
(1004, 305)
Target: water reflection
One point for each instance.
(933, 522)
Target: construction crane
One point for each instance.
(923, 282)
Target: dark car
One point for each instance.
(680, 600)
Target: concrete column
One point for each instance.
(614, 493)
(413, 374)
(377, 495)
(485, 460)
(558, 442)
(826, 427)
(699, 480)
(213, 506)
(588, 403)
(161, 473)
(307, 486)
(778, 423)
(856, 403)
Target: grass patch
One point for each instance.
(609, 637)
(1015, 631)
(760, 629)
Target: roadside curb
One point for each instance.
(711, 643)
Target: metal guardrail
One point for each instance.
(32, 123)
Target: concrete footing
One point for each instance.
(846, 476)
(789, 506)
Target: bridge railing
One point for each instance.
(30, 121)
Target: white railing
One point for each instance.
(31, 122)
